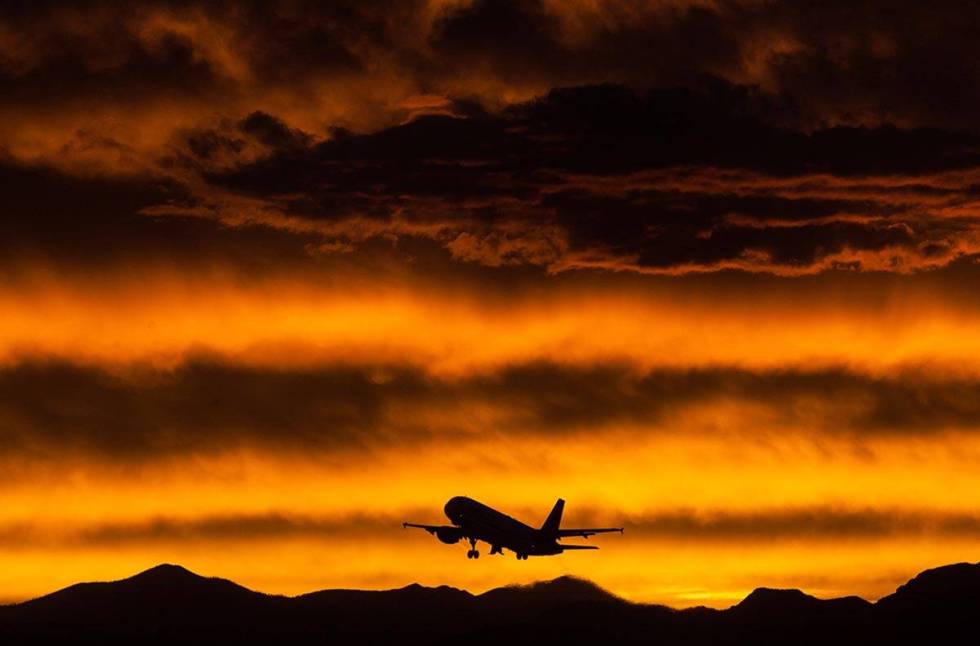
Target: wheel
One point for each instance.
(476, 554)
(469, 554)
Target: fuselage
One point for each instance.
(477, 521)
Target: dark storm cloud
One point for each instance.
(212, 406)
(666, 181)
(909, 62)
(867, 62)
(87, 223)
(240, 110)
(546, 46)
(842, 62)
(614, 130)
(273, 133)
(99, 52)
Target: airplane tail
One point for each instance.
(553, 520)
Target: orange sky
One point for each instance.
(275, 278)
(729, 487)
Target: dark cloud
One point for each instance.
(273, 133)
(844, 62)
(52, 409)
(222, 528)
(246, 528)
(96, 225)
(753, 525)
(882, 60)
(834, 401)
(864, 63)
(104, 53)
(200, 407)
(818, 523)
(668, 181)
(304, 118)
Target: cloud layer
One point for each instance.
(812, 524)
(597, 139)
(205, 407)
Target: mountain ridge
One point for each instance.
(169, 602)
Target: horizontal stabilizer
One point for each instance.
(578, 547)
(588, 531)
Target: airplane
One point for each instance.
(474, 521)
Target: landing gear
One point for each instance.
(522, 557)
(473, 553)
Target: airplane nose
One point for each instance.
(452, 508)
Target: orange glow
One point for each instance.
(165, 320)
(83, 516)
(368, 495)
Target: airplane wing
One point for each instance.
(588, 531)
(432, 529)
(578, 547)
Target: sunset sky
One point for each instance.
(278, 276)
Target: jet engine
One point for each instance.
(448, 535)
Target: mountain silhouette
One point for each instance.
(565, 590)
(943, 586)
(772, 602)
(169, 604)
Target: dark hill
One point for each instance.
(945, 586)
(157, 604)
(939, 605)
(565, 590)
(162, 585)
(169, 604)
(772, 602)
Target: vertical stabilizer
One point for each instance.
(553, 520)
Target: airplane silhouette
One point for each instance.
(475, 521)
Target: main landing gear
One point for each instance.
(473, 553)
(521, 557)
